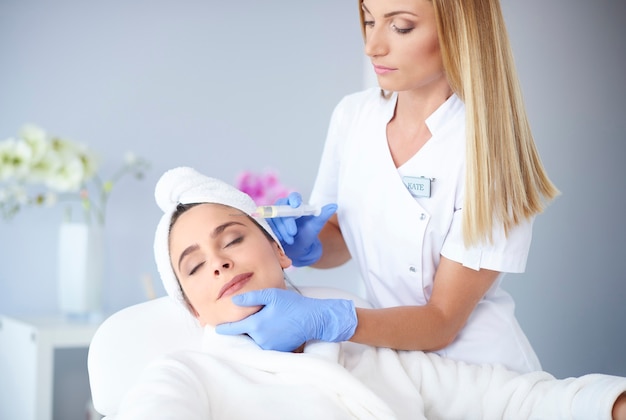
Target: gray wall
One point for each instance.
(221, 86)
(250, 85)
(572, 299)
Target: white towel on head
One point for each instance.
(185, 185)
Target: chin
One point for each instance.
(388, 85)
(230, 314)
(240, 313)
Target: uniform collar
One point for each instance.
(445, 113)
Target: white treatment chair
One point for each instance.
(127, 341)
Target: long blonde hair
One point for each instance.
(506, 182)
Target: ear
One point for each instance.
(283, 259)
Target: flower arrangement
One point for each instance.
(41, 170)
(264, 188)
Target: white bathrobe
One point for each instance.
(232, 378)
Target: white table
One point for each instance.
(27, 362)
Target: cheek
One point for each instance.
(428, 56)
(200, 295)
(433, 51)
(280, 282)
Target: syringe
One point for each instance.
(268, 212)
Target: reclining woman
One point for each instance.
(209, 248)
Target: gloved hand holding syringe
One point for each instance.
(297, 234)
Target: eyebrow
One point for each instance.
(216, 232)
(390, 14)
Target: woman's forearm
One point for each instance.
(405, 328)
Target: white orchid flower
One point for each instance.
(33, 133)
(68, 177)
(66, 168)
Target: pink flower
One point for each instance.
(264, 188)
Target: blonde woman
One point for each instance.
(437, 181)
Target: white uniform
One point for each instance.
(397, 237)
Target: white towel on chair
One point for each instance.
(232, 378)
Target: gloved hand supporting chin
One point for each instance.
(289, 319)
(299, 237)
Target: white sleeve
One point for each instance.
(507, 253)
(167, 389)
(458, 390)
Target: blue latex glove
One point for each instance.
(289, 319)
(299, 236)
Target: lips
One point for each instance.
(382, 69)
(235, 284)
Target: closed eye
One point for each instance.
(235, 241)
(402, 30)
(196, 268)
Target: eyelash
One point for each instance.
(193, 270)
(235, 241)
(401, 31)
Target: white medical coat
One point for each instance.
(397, 239)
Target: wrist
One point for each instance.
(339, 320)
(307, 255)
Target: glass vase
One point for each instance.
(80, 269)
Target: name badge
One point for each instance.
(418, 186)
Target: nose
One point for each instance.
(375, 43)
(221, 265)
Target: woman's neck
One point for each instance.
(417, 105)
(407, 131)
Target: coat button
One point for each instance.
(412, 269)
(422, 216)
